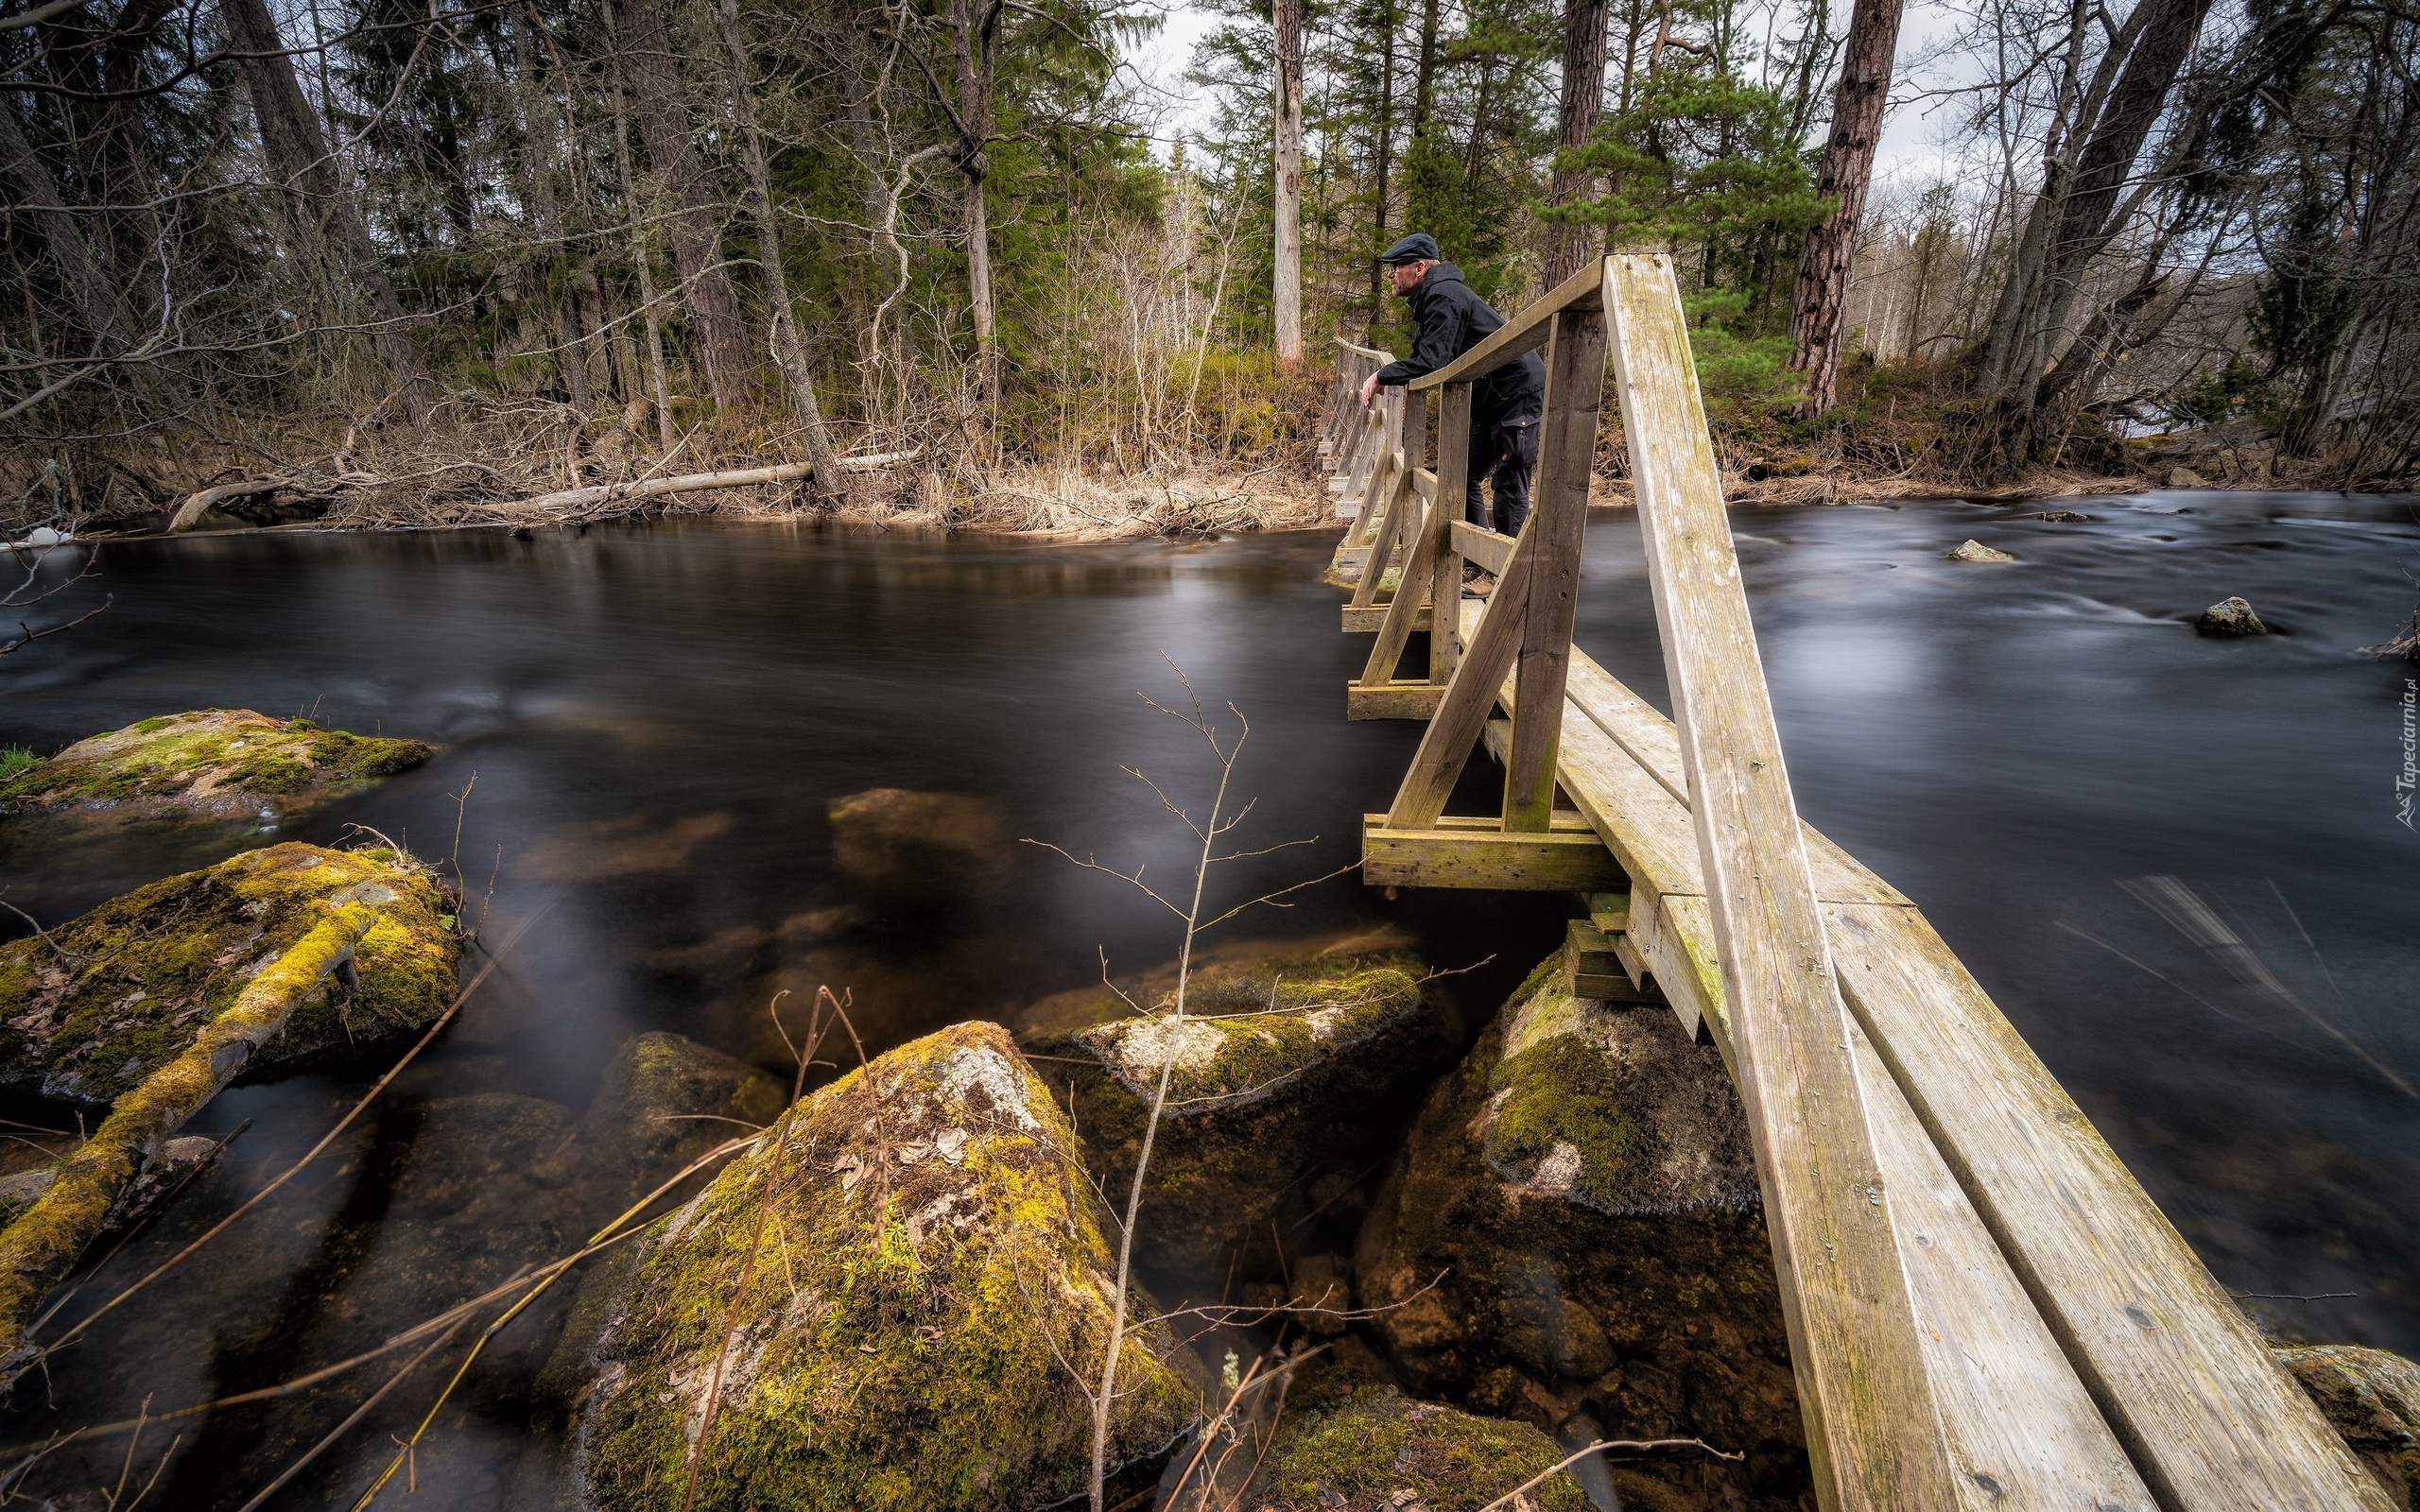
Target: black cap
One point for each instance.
(1417, 247)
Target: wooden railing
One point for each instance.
(1984, 1308)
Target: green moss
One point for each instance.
(1556, 1094)
(177, 760)
(1363, 1456)
(928, 1257)
(128, 985)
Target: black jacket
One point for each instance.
(1447, 321)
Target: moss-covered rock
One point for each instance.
(2372, 1398)
(209, 764)
(1381, 1452)
(1278, 1065)
(925, 1255)
(106, 1000)
(1573, 1226)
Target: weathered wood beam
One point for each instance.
(1444, 517)
(1492, 552)
(1873, 1431)
(1372, 617)
(1391, 700)
(1567, 449)
(1474, 853)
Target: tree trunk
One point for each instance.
(695, 224)
(1286, 300)
(1819, 305)
(977, 44)
(1583, 105)
(1383, 156)
(646, 261)
(104, 309)
(789, 349)
(299, 155)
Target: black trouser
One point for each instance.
(1506, 446)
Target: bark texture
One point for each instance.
(1583, 106)
(696, 224)
(1818, 304)
(1286, 295)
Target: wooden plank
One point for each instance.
(2020, 1427)
(1559, 517)
(1491, 551)
(1419, 568)
(1610, 912)
(1400, 501)
(1873, 1428)
(1444, 516)
(1569, 858)
(1587, 950)
(1626, 955)
(1641, 730)
(1392, 700)
(1525, 332)
(1365, 620)
(1611, 987)
(2213, 1423)
(1445, 746)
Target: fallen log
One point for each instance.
(746, 477)
(189, 514)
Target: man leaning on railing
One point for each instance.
(1448, 319)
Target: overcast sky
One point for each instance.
(1909, 135)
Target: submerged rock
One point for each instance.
(2063, 517)
(2230, 617)
(886, 1289)
(2372, 1398)
(1380, 1451)
(1283, 1063)
(100, 1003)
(210, 763)
(1977, 551)
(1574, 1228)
(665, 1101)
(891, 837)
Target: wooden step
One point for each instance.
(1392, 700)
(1477, 853)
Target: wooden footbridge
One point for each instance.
(1985, 1309)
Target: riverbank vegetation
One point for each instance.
(408, 265)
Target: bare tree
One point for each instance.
(325, 211)
(696, 223)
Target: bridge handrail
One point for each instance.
(1526, 332)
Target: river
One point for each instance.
(649, 722)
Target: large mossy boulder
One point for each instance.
(209, 764)
(1378, 1451)
(897, 1284)
(1573, 1228)
(1286, 1065)
(2372, 1398)
(92, 1007)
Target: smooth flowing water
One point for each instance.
(658, 718)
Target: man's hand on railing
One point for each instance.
(1369, 390)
